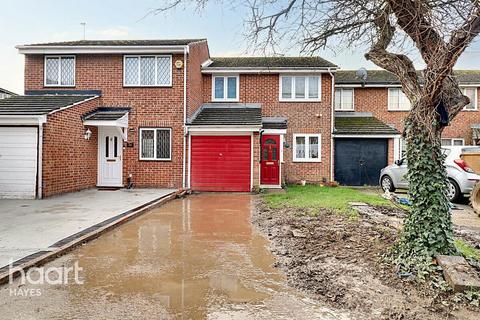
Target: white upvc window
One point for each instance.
(300, 88)
(147, 71)
(307, 147)
(59, 71)
(471, 93)
(397, 100)
(225, 88)
(344, 100)
(155, 144)
(453, 142)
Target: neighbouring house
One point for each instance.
(163, 113)
(6, 94)
(369, 120)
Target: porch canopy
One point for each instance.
(116, 117)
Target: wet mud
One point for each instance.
(193, 258)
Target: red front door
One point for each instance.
(270, 163)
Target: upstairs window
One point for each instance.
(155, 144)
(453, 142)
(300, 88)
(397, 100)
(225, 88)
(344, 99)
(147, 71)
(59, 71)
(471, 93)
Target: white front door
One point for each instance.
(110, 164)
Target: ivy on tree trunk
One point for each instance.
(428, 227)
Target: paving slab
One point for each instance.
(31, 226)
(458, 273)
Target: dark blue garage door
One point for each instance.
(358, 161)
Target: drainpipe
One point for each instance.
(332, 119)
(40, 161)
(185, 132)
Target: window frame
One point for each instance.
(59, 58)
(307, 137)
(139, 85)
(389, 107)
(140, 157)
(307, 81)
(475, 102)
(225, 88)
(452, 142)
(353, 100)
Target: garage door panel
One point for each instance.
(221, 163)
(18, 162)
(359, 161)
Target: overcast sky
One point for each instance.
(33, 21)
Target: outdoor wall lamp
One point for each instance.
(88, 134)
(286, 145)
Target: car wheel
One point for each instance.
(453, 191)
(387, 184)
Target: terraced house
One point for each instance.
(369, 117)
(164, 113)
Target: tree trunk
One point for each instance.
(428, 227)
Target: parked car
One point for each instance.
(461, 177)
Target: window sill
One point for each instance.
(345, 110)
(140, 86)
(470, 110)
(58, 86)
(399, 110)
(307, 160)
(156, 160)
(300, 100)
(225, 100)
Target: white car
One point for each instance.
(461, 177)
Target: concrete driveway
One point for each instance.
(192, 258)
(32, 226)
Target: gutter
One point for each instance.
(23, 49)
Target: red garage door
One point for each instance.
(221, 163)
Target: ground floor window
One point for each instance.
(453, 142)
(306, 147)
(155, 144)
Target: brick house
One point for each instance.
(162, 113)
(369, 120)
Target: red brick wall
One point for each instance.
(69, 161)
(198, 55)
(375, 100)
(151, 107)
(311, 117)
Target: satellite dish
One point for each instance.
(362, 74)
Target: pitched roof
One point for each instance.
(7, 92)
(270, 62)
(383, 77)
(157, 42)
(353, 124)
(37, 105)
(106, 113)
(229, 114)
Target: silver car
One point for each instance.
(461, 177)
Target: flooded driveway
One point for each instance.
(193, 258)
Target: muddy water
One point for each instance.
(194, 258)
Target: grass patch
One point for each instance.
(467, 250)
(313, 196)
